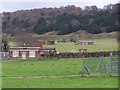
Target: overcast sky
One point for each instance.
(14, 5)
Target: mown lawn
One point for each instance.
(57, 75)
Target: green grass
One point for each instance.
(41, 68)
(56, 72)
(65, 82)
(99, 45)
(10, 43)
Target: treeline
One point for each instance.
(64, 19)
(95, 23)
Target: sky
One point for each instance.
(14, 5)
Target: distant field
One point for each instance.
(12, 44)
(51, 74)
(99, 45)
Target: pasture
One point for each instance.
(51, 74)
(109, 44)
(99, 45)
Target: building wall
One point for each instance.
(27, 54)
(86, 43)
(22, 52)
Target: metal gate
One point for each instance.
(113, 65)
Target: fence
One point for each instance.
(4, 56)
(113, 65)
(92, 62)
(101, 65)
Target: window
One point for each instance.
(41, 53)
(15, 53)
(31, 53)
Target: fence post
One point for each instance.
(100, 64)
(105, 68)
(110, 62)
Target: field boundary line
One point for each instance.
(59, 76)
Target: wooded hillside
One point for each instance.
(65, 20)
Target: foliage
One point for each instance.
(4, 43)
(25, 40)
(64, 20)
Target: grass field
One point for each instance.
(65, 82)
(109, 44)
(51, 74)
(58, 73)
(99, 45)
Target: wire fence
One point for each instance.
(4, 56)
(92, 63)
(112, 67)
(101, 65)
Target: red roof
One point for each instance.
(37, 44)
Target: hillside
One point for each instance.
(84, 35)
(78, 35)
(64, 20)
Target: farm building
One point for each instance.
(85, 43)
(29, 52)
(48, 42)
(48, 51)
(66, 40)
(38, 44)
(82, 50)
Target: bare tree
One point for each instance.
(24, 38)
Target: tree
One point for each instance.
(93, 28)
(45, 20)
(40, 27)
(94, 8)
(24, 38)
(5, 40)
(87, 8)
(26, 24)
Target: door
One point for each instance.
(23, 55)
